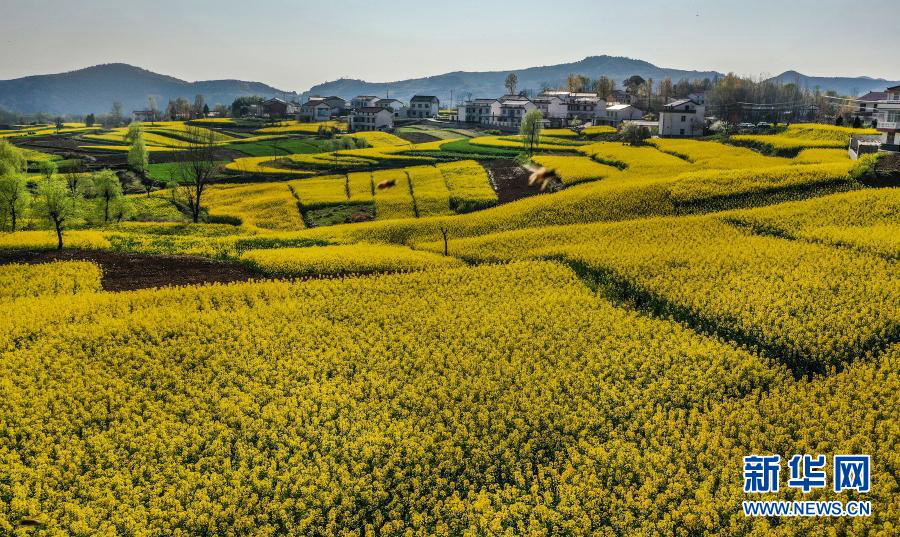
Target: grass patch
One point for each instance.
(338, 214)
(291, 146)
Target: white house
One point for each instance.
(512, 112)
(315, 110)
(363, 101)
(423, 106)
(584, 108)
(482, 111)
(371, 118)
(398, 108)
(553, 108)
(616, 113)
(888, 120)
(868, 106)
(683, 117)
(698, 97)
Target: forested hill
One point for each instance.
(490, 83)
(94, 89)
(842, 84)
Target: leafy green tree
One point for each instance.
(47, 168)
(530, 130)
(75, 176)
(56, 204)
(135, 130)
(11, 159)
(59, 124)
(634, 83)
(89, 120)
(120, 209)
(14, 197)
(138, 157)
(635, 134)
(107, 189)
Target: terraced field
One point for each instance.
(380, 340)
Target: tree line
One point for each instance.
(59, 201)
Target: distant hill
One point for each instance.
(93, 90)
(490, 83)
(853, 86)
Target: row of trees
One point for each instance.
(196, 168)
(60, 199)
(56, 199)
(731, 97)
(176, 109)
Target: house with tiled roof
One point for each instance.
(371, 118)
(684, 117)
(423, 106)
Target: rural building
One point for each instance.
(142, 115)
(616, 113)
(620, 96)
(398, 108)
(554, 109)
(583, 107)
(683, 117)
(698, 97)
(888, 120)
(322, 108)
(315, 110)
(512, 112)
(363, 101)
(276, 107)
(372, 118)
(482, 111)
(868, 106)
(424, 106)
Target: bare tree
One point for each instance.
(197, 168)
(511, 82)
(115, 115)
(605, 87)
(153, 109)
(444, 231)
(199, 105)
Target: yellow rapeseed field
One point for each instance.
(576, 169)
(264, 205)
(48, 279)
(359, 258)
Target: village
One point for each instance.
(686, 117)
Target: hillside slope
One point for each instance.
(490, 83)
(94, 89)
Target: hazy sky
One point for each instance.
(295, 44)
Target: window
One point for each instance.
(683, 118)
(682, 131)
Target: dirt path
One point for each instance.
(510, 180)
(125, 272)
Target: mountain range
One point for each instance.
(94, 89)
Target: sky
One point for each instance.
(293, 45)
